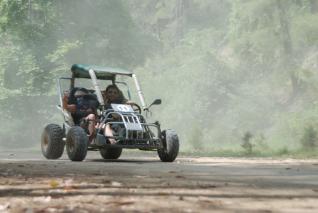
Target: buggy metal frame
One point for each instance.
(138, 133)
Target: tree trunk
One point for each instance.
(313, 6)
(180, 18)
(287, 48)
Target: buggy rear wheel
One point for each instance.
(170, 149)
(76, 143)
(111, 153)
(52, 144)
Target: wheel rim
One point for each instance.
(70, 145)
(45, 142)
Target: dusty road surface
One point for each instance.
(29, 183)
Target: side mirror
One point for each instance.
(155, 102)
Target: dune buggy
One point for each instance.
(132, 131)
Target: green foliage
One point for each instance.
(309, 139)
(248, 75)
(40, 40)
(247, 145)
(221, 67)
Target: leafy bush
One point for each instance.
(309, 138)
(247, 144)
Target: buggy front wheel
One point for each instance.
(76, 143)
(170, 142)
(52, 144)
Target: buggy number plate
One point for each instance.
(122, 108)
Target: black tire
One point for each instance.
(52, 144)
(76, 143)
(111, 153)
(170, 146)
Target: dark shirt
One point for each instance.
(83, 104)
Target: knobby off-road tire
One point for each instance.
(170, 146)
(111, 153)
(52, 144)
(76, 143)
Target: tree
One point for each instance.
(40, 40)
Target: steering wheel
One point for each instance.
(135, 107)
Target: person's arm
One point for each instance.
(69, 107)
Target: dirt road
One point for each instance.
(29, 183)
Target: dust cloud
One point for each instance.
(234, 76)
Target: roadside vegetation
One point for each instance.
(237, 78)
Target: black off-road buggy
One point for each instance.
(130, 131)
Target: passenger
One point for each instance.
(83, 108)
(112, 95)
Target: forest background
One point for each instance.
(235, 76)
